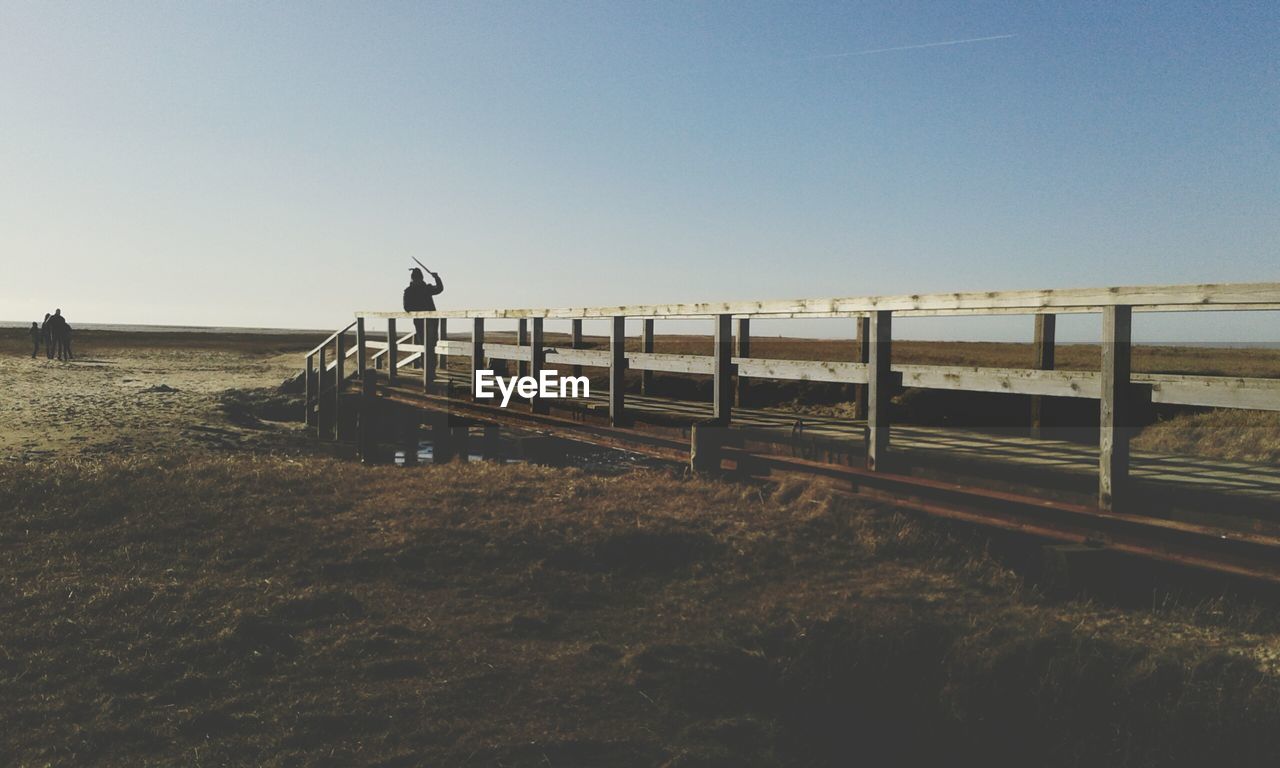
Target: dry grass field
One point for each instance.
(246, 608)
(191, 580)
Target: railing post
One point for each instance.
(617, 371)
(1043, 350)
(741, 348)
(362, 350)
(477, 351)
(646, 345)
(322, 417)
(522, 339)
(862, 350)
(575, 342)
(879, 386)
(1117, 413)
(429, 333)
(339, 382)
(393, 352)
(443, 361)
(309, 417)
(537, 361)
(723, 385)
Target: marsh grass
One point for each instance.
(259, 609)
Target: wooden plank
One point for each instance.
(509, 352)
(430, 329)
(575, 341)
(393, 354)
(339, 381)
(1226, 392)
(1116, 416)
(879, 389)
(362, 351)
(722, 389)
(646, 345)
(862, 345)
(477, 351)
(311, 386)
(741, 349)
(1164, 297)
(1043, 351)
(522, 340)
(443, 362)
(671, 363)
(617, 371)
(537, 361)
(800, 370)
(1013, 381)
(598, 358)
(321, 411)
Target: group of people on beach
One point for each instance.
(55, 334)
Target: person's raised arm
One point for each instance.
(439, 286)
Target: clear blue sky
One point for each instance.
(276, 164)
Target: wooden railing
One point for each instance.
(874, 375)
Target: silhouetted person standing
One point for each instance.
(36, 335)
(61, 334)
(418, 297)
(46, 329)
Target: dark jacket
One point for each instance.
(417, 297)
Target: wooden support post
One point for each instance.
(537, 361)
(477, 351)
(646, 345)
(705, 440)
(443, 361)
(1043, 349)
(441, 439)
(741, 348)
(862, 351)
(1117, 412)
(393, 352)
(311, 384)
(322, 415)
(460, 438)
(339, 383)
(522, 339)
(366, 415)
(617, 371)
(409, 438)
(722, 405)
(429, 331)
(879, 386)
(575, 342)
(362, 350)
(492, 445)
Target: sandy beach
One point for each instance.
(131, 392)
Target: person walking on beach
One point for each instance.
(419, 297)
(46, 329)
(36, 334)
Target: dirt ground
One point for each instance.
(130, 392)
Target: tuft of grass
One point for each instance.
(1250, 436)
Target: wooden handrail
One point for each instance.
(329, 340)
(1157, 298)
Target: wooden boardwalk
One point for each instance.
(1133, 501)
(1019, 451)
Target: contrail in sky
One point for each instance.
(912, 47)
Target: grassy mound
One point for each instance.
(245, 609)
